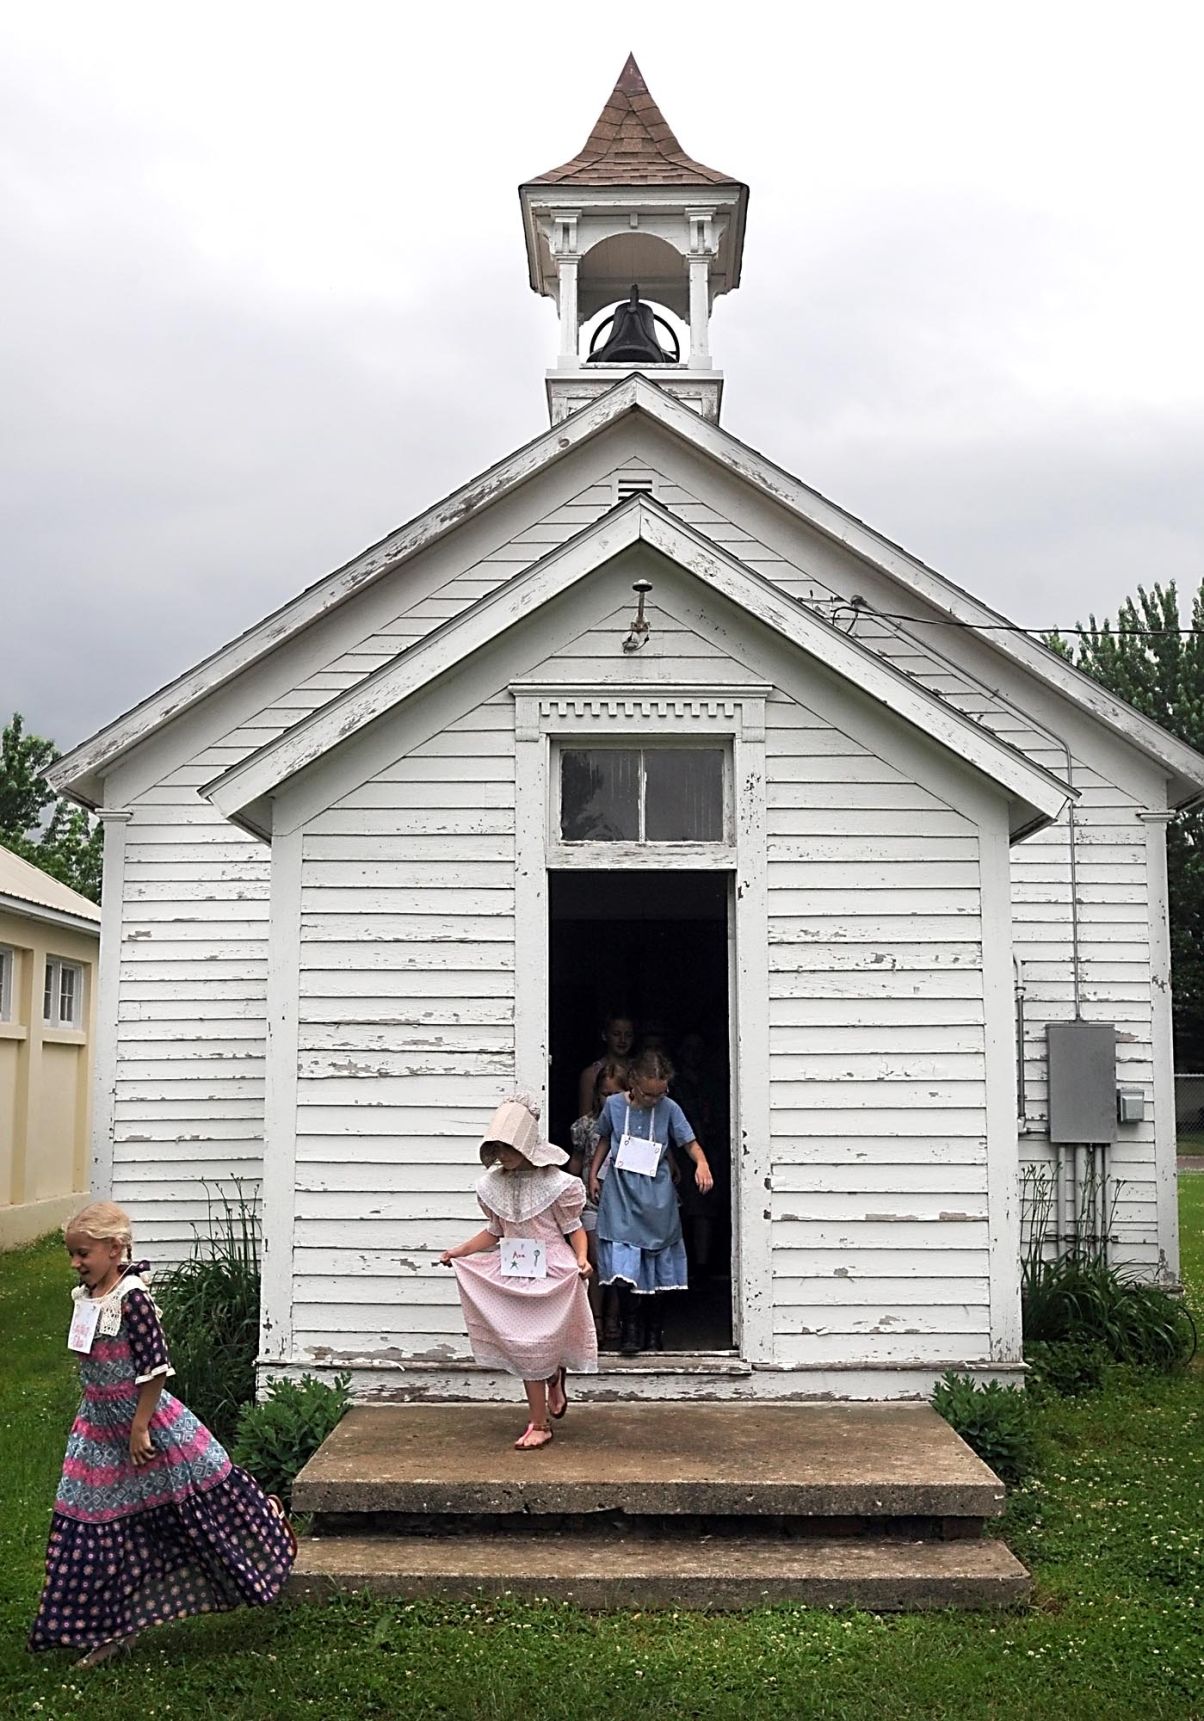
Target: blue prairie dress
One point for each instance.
(187, 1532)
(639, 1227)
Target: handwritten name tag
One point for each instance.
(83, 1326)
(523, 1258)
(638, 1154)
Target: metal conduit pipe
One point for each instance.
(1021, 1095)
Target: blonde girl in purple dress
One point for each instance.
(151, 1521)
(522, 1279)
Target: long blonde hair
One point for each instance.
(104, 1221)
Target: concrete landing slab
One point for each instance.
(720, 1576)
(845, 1460)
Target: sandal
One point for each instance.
(102, 1652)
(523, 1444)
(558, 1380)
(277, 1505)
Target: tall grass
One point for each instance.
(210, 1307)
(1075, 1295)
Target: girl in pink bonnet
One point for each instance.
(522, 1279)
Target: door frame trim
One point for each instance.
(546, 712)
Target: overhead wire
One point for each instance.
(1037, 633)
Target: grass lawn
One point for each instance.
(1114, 1532)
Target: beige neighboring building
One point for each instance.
(49, 942)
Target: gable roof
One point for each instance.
(241, 793)
(26, 889)
(632, 144)
(79, 772)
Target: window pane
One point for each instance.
(48, 994)
(67, 996)
(599, 796)
(683, 797)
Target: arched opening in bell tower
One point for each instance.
(634, 265)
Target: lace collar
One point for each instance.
(109, 1320)
(520, 1195)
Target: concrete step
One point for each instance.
(721, 1575)
(843, 1461)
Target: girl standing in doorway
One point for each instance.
(611, 1079)
(618, 1038)
(640, 1246)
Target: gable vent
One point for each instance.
(635, 484)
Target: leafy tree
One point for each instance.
(67, 843)
(1147, 658)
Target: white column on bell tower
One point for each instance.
(566, 294)
(700, 313)
(562, 243)
(702, 250)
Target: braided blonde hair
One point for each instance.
(104, 1221)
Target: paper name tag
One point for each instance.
(523, 1258)
(83, 1325)
(638, 1154)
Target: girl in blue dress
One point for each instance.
(640, 1248)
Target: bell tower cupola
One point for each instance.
(634, 228)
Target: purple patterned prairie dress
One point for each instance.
(186, 1533)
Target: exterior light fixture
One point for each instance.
(640, 627)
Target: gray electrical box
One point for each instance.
(1130, 1105)
(1082, 1081)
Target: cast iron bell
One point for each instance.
(633, 339)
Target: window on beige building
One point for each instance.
(63, 995)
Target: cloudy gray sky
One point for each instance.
(265, 294)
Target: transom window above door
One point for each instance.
(642, 794)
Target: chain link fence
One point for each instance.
(1189, 1113)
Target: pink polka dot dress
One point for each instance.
(188, 1532)
(529, 1327)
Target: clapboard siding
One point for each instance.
(1114, 925)
(1110, 840)
(1113, 915)
(395, 1075)
(195, 906)
(878, 1112)
(188, 1089)
(406, 977)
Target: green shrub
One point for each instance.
(996, 1421)
(277, 1436)
(1066, 1367)
(1081, 1299)
(210, 1310)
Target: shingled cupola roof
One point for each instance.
(632, 144)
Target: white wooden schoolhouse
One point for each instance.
(635, 721)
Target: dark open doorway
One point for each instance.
(654, 946)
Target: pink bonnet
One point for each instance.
(515, 1124)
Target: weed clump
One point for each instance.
(280, 1434)
(996, 1421)
(210, 1307)
(1066, 1368)
(1073, 1294)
